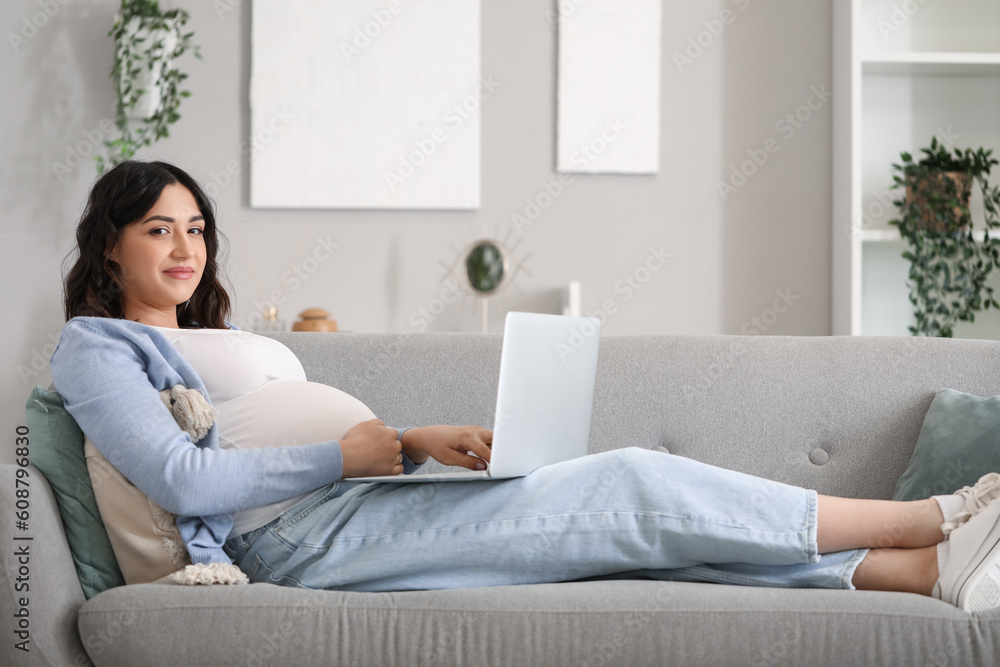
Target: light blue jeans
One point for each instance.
(627, 513)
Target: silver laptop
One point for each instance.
(548, 368)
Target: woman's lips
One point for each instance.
(180, 274)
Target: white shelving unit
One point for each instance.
(904, 71)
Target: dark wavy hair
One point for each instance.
(122, 196)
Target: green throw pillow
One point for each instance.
(57, 450)
(959, 442)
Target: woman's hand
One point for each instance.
(371, 448)
(450, 444)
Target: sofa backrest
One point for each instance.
(837, 414)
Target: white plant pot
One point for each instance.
(149, 103)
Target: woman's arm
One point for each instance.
(450, 445)
(412, 453)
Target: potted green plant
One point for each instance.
(148, 41)
(949, 265)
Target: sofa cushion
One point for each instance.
(57, 450)
(959, 442)
(144, 536)
(627, 622)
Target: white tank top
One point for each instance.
(233, 363)
(264, 400)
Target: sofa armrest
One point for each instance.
(41, 583)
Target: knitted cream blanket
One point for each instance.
(196, 415)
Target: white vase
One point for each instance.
(149, 102)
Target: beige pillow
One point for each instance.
(143, 535)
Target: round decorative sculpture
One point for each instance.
(485, 266)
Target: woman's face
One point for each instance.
(154, 252)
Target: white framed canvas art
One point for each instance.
(366, 104)
(609, 87)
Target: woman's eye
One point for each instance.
(164, 229)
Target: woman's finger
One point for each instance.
(470, 462)
(462, 457)
(479, 448)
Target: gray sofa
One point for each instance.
(840, 415)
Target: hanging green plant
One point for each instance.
(949, 267)
(147, 42)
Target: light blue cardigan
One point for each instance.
(110, 372)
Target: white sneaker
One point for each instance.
(975, 499)
(969, 577)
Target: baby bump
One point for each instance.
(283, 413)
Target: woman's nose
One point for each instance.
(182, 246)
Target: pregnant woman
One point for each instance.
(270, 490)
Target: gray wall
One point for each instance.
(729, 259)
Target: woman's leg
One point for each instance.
(905, 535)
(849, 523)
(616, 511)
(627, 510)
(905, 558)
(904, 570)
